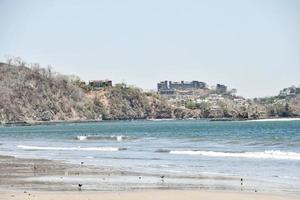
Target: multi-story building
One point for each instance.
(163, 85)
(186, 85)
(182, 85)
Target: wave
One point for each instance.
(71, 148)
(257, 155)
(163, 119)
(104, 137)
(274, 119)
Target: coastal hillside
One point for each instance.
(30, 93)
(121, 102)
(225, 105)
(285, 104)
(37, 94)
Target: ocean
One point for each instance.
(239, 155)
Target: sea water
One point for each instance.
(266, 154)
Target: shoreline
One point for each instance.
(36, 123)
(63, 175)
(19, 173)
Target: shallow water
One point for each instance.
(266, 154)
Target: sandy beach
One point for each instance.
(15, 173)
(139, 195)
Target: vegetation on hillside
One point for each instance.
(37, 94)
(285, 104)
(31, 93)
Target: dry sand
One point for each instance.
(140, 195)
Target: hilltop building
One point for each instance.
(182, 85)
(289, 92)
(183, 92)
(163, 85)
(221, 88)
(95, 84)
(186, 85)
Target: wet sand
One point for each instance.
(41, 179)
(25, 173)
(47, 175)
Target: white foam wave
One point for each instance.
(164, 119)
(257, 155)
(81, 137)
(275, 119)
(103, 137)
(71, 148)
(119, 137)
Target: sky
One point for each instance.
(250, 45)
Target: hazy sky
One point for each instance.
(253, 46)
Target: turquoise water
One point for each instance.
(266, 154)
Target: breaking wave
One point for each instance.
(71, 148)
(104, 137)
(258, 155)
(274, 120)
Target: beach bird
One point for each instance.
(79, 186)
(162, 179)
(242, 184)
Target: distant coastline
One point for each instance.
(31, 95)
